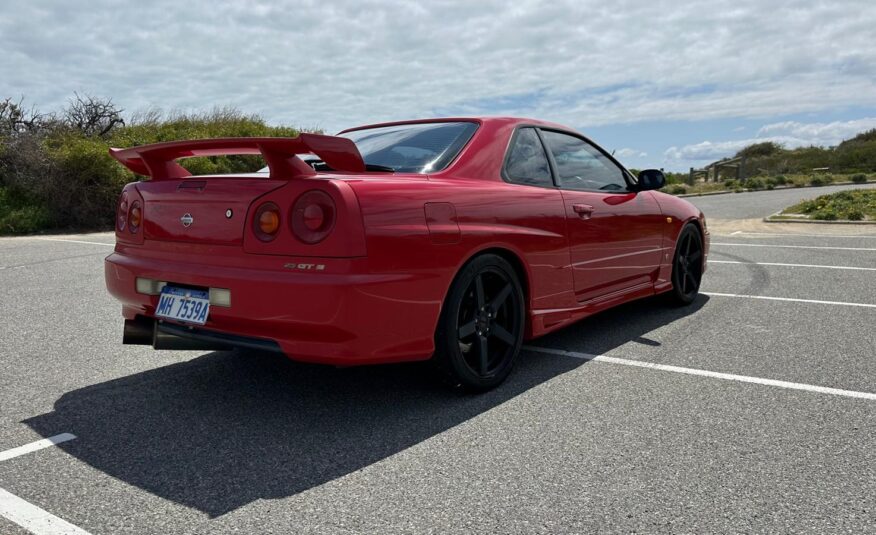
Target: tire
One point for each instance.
(480, 330)
(687, 266)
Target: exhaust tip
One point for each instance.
(138, 331)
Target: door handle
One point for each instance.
(584, 211)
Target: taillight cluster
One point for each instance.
(311, 218)
(129, 215)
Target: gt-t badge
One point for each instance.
(448, 239)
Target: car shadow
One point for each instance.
(224, 429)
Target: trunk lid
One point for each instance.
(201, 209)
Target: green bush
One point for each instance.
(859, 178)
(19, 214)
(754, 183)
(825, 214)
(73, 183)
(818, 180)
(780, 180)
(731, 184)
(676, 189)
(853, 205)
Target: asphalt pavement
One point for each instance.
(753, 410)
(759, 204)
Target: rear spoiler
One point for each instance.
(158, 161)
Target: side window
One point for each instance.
(581, 165)
(527, 163)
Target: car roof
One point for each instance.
(495, 121)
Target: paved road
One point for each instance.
(712, 418)
(760, 203)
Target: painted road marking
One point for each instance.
(28, 515)
(34, 519)
(35, 446)
(790, 299)
(788, 235)
(705, 373)
(795, 246)
(75, 241)
(790, 265)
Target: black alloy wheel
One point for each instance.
(481, 327)
(687, 266)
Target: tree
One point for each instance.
(93, 116)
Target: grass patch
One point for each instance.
(852, 205)
(766, 183)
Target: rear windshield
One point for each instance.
(413, 148)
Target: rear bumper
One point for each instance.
(340, 315)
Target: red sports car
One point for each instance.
(445, 239)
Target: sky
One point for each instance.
(662, 84)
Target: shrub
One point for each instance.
(825, 214)
(754, 183)
(853, 205)
(859, 178)
(19, 215)
(71, 180)
(780, 180)
(676, 189)
(854, 215)
(818, 181)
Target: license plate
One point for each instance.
(184, 304)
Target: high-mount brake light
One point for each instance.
(266, 222)
(122, 216)
(135, 217)
(313, 216)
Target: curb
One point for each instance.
(777, 188)
(815, 221)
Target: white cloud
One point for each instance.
(818, 133)
(791, 134)
(630, 153)
(337, 64)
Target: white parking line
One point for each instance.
(787, 235)
(35, 446)
(790, 299)
(34, 519)
(76, 241)
(26, 514)
(705, 373)
(795, 246)
(791, 265)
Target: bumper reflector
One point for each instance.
(149, 286)
(220, 297)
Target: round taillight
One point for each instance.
(313, 216)
(266, 222)
(122, 215)
(135, 217)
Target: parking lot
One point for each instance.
(753, 410)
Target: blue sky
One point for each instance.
(664, 84)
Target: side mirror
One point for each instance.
(651, 179)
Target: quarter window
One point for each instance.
(580, 165)
(527, 162)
